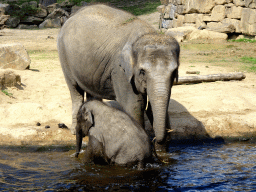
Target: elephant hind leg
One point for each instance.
(77, 97)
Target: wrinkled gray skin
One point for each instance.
(111, 54)
(114, 138)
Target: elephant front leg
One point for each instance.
(131, 102)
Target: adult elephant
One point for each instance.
(111, 54)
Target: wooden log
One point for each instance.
(210, 78)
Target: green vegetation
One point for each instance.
(147, 8)
(140, 7)
(5, 91)
(243, 40)
(250, 63)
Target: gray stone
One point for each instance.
(180, 33)
(11, 9)
(199, 21)
(32, 20)
(235, 22)
(23, 26)
(52, 7)
(41, 13)
(180, 9)
(33, 4)
(14, 56)
(9, 78)
(221, 27)
(190, 18)
(57, 13)
(205, 34)
(160, 9)
(167, 23)
(218, 13)
(235, 13)
(13, 22)
(199, 6)
(170, 11)
(239, 3)
(247, 3)
(248, 21)
(51, 23)
(3, 19)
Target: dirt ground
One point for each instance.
(226, 109)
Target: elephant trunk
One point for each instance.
(79, 138)
(159, 97)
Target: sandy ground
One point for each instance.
(226, 109)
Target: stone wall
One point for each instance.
(225, 16)
(33, 15)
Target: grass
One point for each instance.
(243, 40)
(5, 91)
(147, 8)
(250, 63)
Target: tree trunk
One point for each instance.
(210, 78)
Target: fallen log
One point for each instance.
(210, 78)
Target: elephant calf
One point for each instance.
(114, 137)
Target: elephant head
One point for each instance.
(151, 65)
(84, 123)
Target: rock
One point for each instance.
(220, 2)
(221, 27)
(3, 20)
(247, 2)
(180, 20)
(3, 7)
(240, 37)
(14, 56)
(205, 34)
(248, 21)
(218, 13)
(47, 127)
(62, 126)
(190, 18)
(13, 22)
(41, 13)
(67, 4)
(57, 13)
(239, 2)
(8, 78)
(180, 9)
(23, 26)
(32, 20)
(47, 2)
(200, 22)
(33, 4)
(236, 23)
(235, 12)
(51, 23)
(161, 9)
(170, 11)
(38, 124)
(52, 7)
(199, 6)
(180, 33)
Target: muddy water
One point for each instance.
(193, 167)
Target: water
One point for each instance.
(194, 167)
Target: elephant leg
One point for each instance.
(132, 103)
(77, 97)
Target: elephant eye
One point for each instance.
(142, 72)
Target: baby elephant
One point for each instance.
(114, 137)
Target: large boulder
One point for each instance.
(51, 23)
(13, 22)
(180, 33)
(57, 13)
(205, 34)
(3, 20)
(14, 56)
(248, 21)
(8, 78)
(218, 13)
(199, 6)
(221, 27)
(32, 20)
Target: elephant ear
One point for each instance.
(88, 120)
(127, 61)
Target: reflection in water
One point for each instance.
(208, 167)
